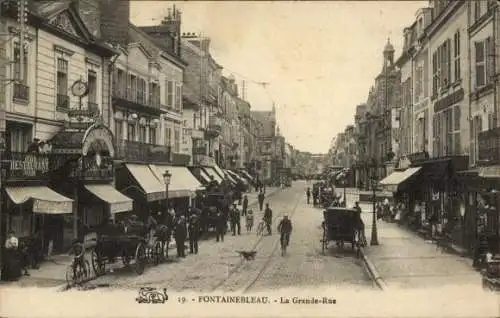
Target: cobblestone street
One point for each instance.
(218, 267)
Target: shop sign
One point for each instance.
(99, 135)
(449, 100)
(94, 168)
(26, 166)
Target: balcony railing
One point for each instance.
(21, 92)
(489, 147)
(137, 97)
(62, 101)
(135, 151)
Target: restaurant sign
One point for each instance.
(25, 166)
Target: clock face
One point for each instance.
(79, 88)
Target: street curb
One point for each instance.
(372, 271)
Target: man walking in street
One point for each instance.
(180, 236)
(244, 205)
(194, 232)
(308, 194)
(235, 220)
(261, 199)
(268, 218)
(220, 226)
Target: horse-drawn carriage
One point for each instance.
(212, 204)
(340, 225)
(133, 244)
(326, 197)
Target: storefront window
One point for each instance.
(20, 223)
(93, 215)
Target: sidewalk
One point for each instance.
(404, 260)
(53, 271)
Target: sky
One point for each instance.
(318, 58)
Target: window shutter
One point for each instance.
(3, 73)
(448, 62)
(489, 55)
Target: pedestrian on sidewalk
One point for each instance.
(308, 194)
(261, 198)
(220, 226)
(268, 217)
(194, 232)
(180, 235)
(360, 226)
(244, 205)
(235, 220)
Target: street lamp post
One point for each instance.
(166, 179)
(374, 238)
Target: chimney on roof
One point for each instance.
(115, 17)
(169, 30)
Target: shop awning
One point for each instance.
(236, 176)
(392, 181)
(204, 176)
(219, 171)
(489, 172)
(117, 201)
(230, 177)
(212, 172)
(45, 200)
(182, 182)
(154, 189)
(246, 174)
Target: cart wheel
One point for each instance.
(157, 252)
(140, 258)
(98, 264)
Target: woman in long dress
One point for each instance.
(11, 269)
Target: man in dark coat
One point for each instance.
(308, 195)
(220, 228)
(194, 232)
(268, 218)
(261, 198)
(235, 220)
(244, 207)
(180, 236)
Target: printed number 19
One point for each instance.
(181, 300)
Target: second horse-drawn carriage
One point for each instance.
(340, 225)
(135, 244)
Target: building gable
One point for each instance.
(138, 55)
(70, 23)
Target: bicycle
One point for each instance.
(284, 240)
(77, 272)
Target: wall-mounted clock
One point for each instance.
(79, 88)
